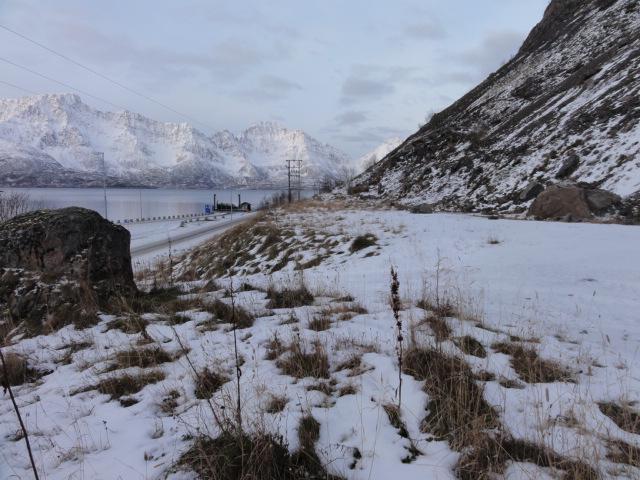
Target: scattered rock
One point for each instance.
(569, 166)
(422, 208)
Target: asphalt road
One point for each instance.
(181, 238)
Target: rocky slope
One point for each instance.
(57, 140)
(564, 109)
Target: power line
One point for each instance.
(17, 87)
(66, 85)
(103, 76)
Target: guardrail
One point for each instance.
(188, 217)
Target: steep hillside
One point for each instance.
(565, 108)
(59, 140)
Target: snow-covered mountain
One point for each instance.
(374, 156)
(57, 140)
(565, 108)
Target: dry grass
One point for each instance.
(300, 363)
(457, 409)
(320, 323)
(490, 455)
(208, 382)
(18, 371)
(439, 327)
(127, 384)
(130, 324)
(241, 457)
(530, 367)
(276, 404)
(363, 241)
(623, 452)
(289, 298)
(623, 416)
(471, 346)
(141, 357)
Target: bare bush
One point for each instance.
(16, 203)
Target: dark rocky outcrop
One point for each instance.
(572, 203)
(59, 266)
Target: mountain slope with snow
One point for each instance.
(565, 108)
(51, 140)
(374, 156)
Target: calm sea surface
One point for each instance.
(133, 203)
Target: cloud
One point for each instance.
(371, 135)
(352, 117)
(425, 30)
(496, 49)
(271, 87)
(371, 82)
(355, 88)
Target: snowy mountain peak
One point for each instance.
(71, 138)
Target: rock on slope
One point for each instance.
(58, 140)
(565, 108)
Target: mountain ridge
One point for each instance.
(58, 140)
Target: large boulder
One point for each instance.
(60, 266)
(572, 202)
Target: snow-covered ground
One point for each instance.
(569, 291)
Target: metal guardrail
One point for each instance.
(189, 217)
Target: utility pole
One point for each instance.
(104, 185)
(238, 201)
(299, 177)
(214, 203)
(294, 167)
(289, 178)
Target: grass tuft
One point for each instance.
(289, 298)
(363, 241)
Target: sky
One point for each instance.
(351, 73)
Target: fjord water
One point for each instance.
(124, 203)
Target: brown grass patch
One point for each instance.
(530, 367)
(142, 358)
(470, 346)
(130, 324)
(490, 456)
(276, 404)
(289, 298)
(320, 323)
(208, 382)
(623, 452)
(300, 363)
(241, 457)
(127, 384)
(622, 415)
(439, 327)
(18, 371)
(457, 409)
(363, 241)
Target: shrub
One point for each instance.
(208, 382)
(289, 298)
(363, 241)
(301, 364)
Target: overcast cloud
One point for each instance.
(349, 73)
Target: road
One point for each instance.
(143, 251)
